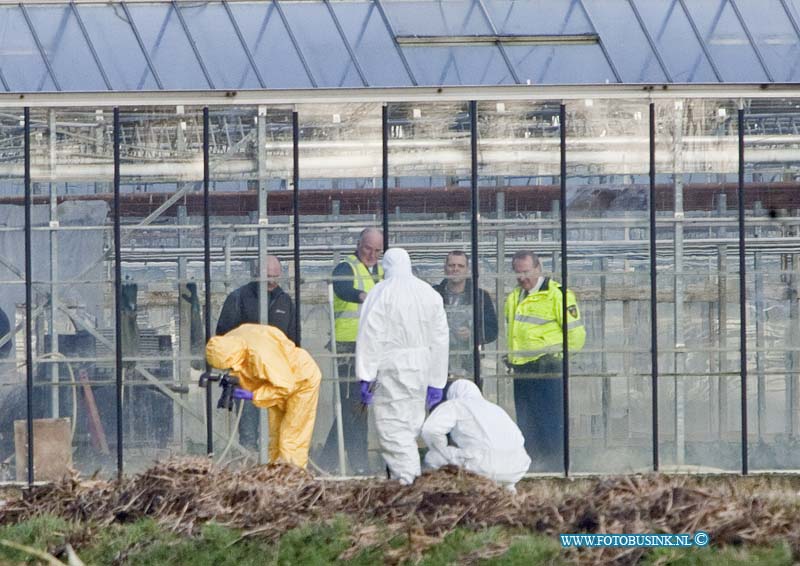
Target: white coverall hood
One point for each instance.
(402, 343)
(396, 263)
(487, 441)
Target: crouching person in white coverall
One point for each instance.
(401, 360)
(487, 441)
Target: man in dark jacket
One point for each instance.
(242, 306)
(456, 290)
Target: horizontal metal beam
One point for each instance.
(439, 40)
(653, 91)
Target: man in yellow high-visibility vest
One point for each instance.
(353, 278)
(534, 323)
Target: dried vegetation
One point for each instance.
(268, 501)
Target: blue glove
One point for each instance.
(366, 394)
(239, 393)
(433, 397)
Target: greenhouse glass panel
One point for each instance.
(518, 182)
(269, 42)
(219, 46)
(728, 43)
(429, 210)
(21, 61)
(251, 172)
(560, 64)
(116, 47)
(321, 44)
(698, 273)
(679, 47)
(63, 41)
(340, 196)
(626, 42)
(372, 43)
(168, 46)
(462, 65)
(608, 262)
(163, 282)
(774, 35)
(12, 301)
(538, 17)
(773, 277)
(73, 280)
(448, 17)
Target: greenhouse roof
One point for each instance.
(85, 46)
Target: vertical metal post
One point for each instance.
(53, 236)
(28, 295)
(722, 318)
(385, 175)
(261, 264)
(760, 320)
(207, 275)
(119, 369)
(564, 284)
(476, 303)
(679, 381)
(742, 293)
(296, 212)
(653, 290)
(504, 386)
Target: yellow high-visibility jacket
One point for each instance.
(534, 325)
(346, 313)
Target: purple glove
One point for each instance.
(366, 394)
(434, 397)
(239, 393)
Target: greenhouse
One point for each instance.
(155, 153)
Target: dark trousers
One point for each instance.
(354, 424)
(539, 403)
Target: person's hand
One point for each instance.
(362, 296)
(463, 332)
(244, 394)
(433, 397)
(366, 393)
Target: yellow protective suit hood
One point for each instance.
(226, 352)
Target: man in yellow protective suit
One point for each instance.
(276, 375)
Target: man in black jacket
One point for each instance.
(456, 290)
(242, 306)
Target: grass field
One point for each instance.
(146, 542)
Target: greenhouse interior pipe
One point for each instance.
(53, 237)
(679, 407)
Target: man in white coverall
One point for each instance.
(401, 360)
(487, 441)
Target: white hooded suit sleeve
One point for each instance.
(370, 340)
(434, 434)
(440, 344)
